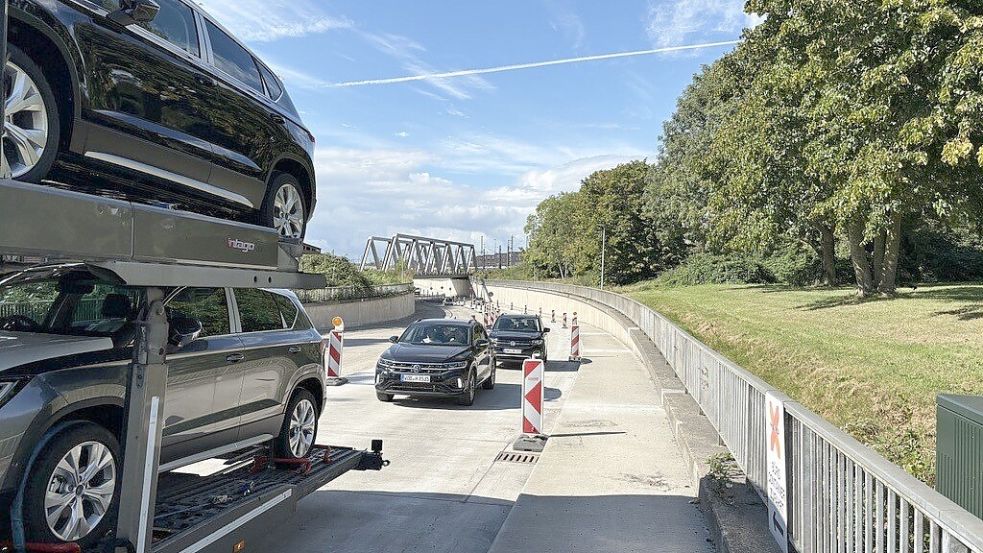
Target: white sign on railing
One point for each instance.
(777, 477)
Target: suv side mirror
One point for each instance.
(545, 330)
(482, 343)
(183, 331)
(135, 11)
(394, 339)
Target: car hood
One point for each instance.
(506, 335)
(22, 348)
(413, 353)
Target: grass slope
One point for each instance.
(871, 367)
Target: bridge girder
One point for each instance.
(422, 255)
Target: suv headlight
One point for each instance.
(537, 342)
(456, 365)
(386, 363)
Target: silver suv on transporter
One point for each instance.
(244, 368)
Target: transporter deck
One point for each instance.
(230, 510)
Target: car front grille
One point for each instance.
(416, 368)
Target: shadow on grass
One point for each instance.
(939, 292)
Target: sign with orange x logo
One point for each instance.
(777, 477)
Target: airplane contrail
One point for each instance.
(502, 68)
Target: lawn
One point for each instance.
(871, 367)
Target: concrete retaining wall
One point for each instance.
(359, 313)
(447, 287)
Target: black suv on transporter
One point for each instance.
(437, 357)
(244, 368)
(158, 102)
(518, 337)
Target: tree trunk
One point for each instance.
(877, 269)
(892, 250)
(858, 255)
(828, 254)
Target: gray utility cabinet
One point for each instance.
(959, 451)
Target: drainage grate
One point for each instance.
(512, 457)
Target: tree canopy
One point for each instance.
(835, 125)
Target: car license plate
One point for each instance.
(416, 378)
(512, 350)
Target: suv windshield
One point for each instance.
(436, 334)
(517, 324)
(73, 303)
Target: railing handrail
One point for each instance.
(945, 513)
(344, 293)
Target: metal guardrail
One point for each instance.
(844, 497)
(345, 293)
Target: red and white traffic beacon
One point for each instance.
(332, 353)
(533, 437)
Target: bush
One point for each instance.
(932, 256)
(704, 268)
(337, 270)
(796, 266)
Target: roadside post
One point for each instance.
(553, 315)
(575, 340)
(564, 320)
(532, 437)
(332, 361)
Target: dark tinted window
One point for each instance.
(272, 83)
(232, 58)
(175, 23)
(288, 310)
(436, 333)
(208, 305)
(518, 324)
(258, 310)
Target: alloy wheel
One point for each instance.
(288, 212)
(25, 122)
(302, 427)
(80, 491)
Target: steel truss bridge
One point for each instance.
(424, 256)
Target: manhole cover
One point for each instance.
(512, 457)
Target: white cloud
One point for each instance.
(384, 191)
(566, 22)
(672, 22)
(268, 20)
(402, 134)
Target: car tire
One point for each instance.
(47, 118)
(489, 383)
(58, 471)
(285, 207)
(467, 398)
(384, 397)
(299, 430)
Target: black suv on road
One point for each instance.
(518, 337)
(245, 367)
(437, 357)
(159, 102)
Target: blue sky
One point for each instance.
(471, 156)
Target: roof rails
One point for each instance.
(143, 245)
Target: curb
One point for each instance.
(736, 516)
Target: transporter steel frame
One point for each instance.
(157, 248)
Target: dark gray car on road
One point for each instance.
(245, 367)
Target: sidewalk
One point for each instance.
(611, 478)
